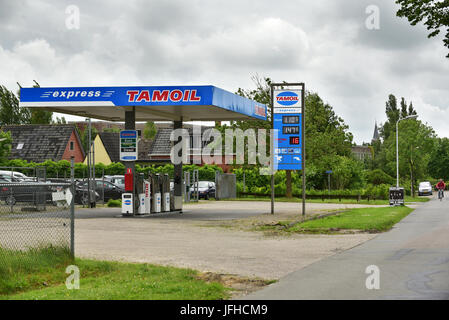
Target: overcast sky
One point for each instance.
(325, 44)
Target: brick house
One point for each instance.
(39, 143)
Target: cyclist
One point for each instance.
(440, 186)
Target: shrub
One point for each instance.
(114, 203)
(377, 177)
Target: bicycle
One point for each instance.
(440, 194)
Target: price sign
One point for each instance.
(128, 145)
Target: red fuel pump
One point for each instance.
(129, 181)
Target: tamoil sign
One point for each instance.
(287, 101)
(128, 145)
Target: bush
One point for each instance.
(114, 203)
(377, 177)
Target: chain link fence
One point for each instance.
(35, 216)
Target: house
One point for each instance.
(39, 143)
(161, 147)
(103, 151)
(107, 148)
(157, 150)
(362, 152)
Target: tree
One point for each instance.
(416, 143)
(150, 130)
(434, 13)
(10, 112)
(113, 129)
(59, 120)
(84, 136)
(393, 114)
(5, 145)
(439, 160)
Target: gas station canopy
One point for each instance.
(155, 103)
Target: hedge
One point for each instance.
(61, 169)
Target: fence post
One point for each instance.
(72, 208)
(103, 186)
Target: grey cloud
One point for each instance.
(323, 43)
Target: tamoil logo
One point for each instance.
(287, 98)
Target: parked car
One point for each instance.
(23, 191)
(206, 190)
(118, 180)
(425, 188)
(16, 175)
(81, 194)
(111, 191)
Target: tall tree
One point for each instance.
(416, 143)
(434, 13)
(393, 114)
(10, 112)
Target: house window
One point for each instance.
(72, 147)
(20, 146)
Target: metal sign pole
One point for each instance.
(272, 149)
(303, 151)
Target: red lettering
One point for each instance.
(132, 95)
(159, 96)
(176, 95)
(144, 95)
(186, 95)
(193, 96)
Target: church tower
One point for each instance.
(375, 134)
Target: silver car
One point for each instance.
(425, 188)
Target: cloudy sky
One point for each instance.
(325, 44)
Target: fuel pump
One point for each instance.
(147, 196)
(156, 194)
(127, 196)
(140, 193)
(166, 193)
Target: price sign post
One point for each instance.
(288, 109)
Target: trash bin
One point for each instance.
(396, 196)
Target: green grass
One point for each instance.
(40, 274)
(364, 219)
(407, 199)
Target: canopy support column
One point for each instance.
(178, 185)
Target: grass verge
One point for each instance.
(40, 274)
(363, 219)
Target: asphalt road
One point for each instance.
(412, 260)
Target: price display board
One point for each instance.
(287, 120)
(128, 145)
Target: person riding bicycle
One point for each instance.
(441, 186)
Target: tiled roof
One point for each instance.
(39, 143)
(162, 144)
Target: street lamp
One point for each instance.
(397, 146)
